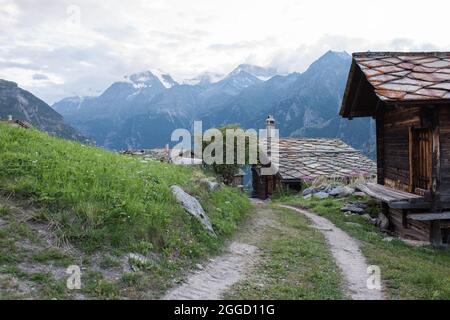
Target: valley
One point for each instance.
(141, 112)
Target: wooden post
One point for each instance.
(411, 159)
(405, 218)
(435, 226)
(435, 233)
(380, 148)
(436, 162)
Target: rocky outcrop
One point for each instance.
(326, 191)
(193, 207)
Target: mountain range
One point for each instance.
(22, 105)
(144, 109)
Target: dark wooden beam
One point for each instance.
(435, 233)
(429, 216)
(380, 147)
(411, 159)
(359, 89)
(405, 205)
(436, 160)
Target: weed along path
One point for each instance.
(348, 257)
(220, 273)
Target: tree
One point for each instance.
(229, 148)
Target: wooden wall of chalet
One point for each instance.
(393, 146)
(263, 186)
(394, 161)
(444, 134)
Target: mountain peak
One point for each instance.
(330, 54)
(260, 72)
(148, 78)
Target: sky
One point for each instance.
(60, 48)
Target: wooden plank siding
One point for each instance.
(396, 124)
(444, 174)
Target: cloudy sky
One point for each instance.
(62, 48)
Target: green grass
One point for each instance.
(98, 200)
(3, 211)
(408, 272)
(295, 264)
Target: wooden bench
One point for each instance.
(395, 199)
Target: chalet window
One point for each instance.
(421, 160)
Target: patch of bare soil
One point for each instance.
(33, 259)
(211, 281)
(348, 257)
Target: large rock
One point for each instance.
(356, 208)
(193, 207)
(321, 195)
(383, 222)
(341, 191)
(308, 191)
(210, 183)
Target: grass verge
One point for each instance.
(295, 264)
(407, 272)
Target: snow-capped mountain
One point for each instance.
(261, 73)
(143, 110)
(148, 79)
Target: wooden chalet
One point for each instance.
(303, 160)
(408, 94)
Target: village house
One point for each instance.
(16, 123)
(174, 156)
(302, 160)
(408, 95)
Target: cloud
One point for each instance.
(83, 46)
(40, 76)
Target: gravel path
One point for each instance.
(347, 255)
(219, 274)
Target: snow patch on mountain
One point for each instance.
(147, 79)
(261, 73)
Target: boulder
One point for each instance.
(353, 208)
(370, 219)
(308, 191)
(382, 222)
(210, 183)
(307, 197)
(193, 207)
(359, 194)
(341, 191)
(321, 195)
(135, 262)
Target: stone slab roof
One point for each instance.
(400, 76)
(308, 159)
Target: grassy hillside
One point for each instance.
(100, 201)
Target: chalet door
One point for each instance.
(270, 185)
(421, 164)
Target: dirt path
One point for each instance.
(212, 281)
(347, 255)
